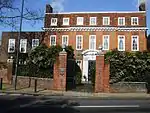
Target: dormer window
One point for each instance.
(93, 20)
(79, 20)
(65, 21)
(106, 20)
(121, 21)
(53, 21)
(134, 20)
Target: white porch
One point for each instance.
(88, 55)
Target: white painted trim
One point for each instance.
(36, 40)
(67, 39)
(108, 41)
(132, 21)
(99, 12)
(123, 42)
(137, 42)
(88, 50)
(52, 24)
(11, 41)
(104, 20)
(90, 42)
(95, 20)
(81, 41)
(124, 21)
(50, 39)
(80, 23)
(64, 24)
(98, 29)
(23, 41)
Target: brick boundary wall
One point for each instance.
(128, 87)
(42, 83)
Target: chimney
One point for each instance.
(142, 5)
(49, 9)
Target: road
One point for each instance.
(24, 104)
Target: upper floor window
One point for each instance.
(35, 43)
(121, 43)
(79, 20)
(23, 45)
(52, 40)
(65, 21)
(65, 40)
(121, 21)
(135, 43)
(92, 42)
(53, 21)
(106, 42)
(106, 20)
(11, 45)
(79, 42)
(134, 20)
(93, 20)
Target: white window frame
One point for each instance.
(80, 22)
(80, 64)
(104, 20)
(10, 45)
(50, 40)
(24, 43)
(132, 18)
(108, 41)
(122, 19)
(81, 42)
(35, 44)
(123, 42)
(90, 48)
(66, 24)
(65, 36)
(95, 18)
(137, 42)
(53, 24)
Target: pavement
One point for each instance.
(42, 104)
(71, 94)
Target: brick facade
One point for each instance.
(99, 34)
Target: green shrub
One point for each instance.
(128, 67)
(78, 78)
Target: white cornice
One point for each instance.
(98, 12)
(97, 29)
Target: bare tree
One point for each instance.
(10, 14)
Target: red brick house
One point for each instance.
(87, 31)
(28, 41)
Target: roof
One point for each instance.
(98, 12)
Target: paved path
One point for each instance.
(30, 91)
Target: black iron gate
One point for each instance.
(91, 71)
(73, 77)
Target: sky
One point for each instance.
(77, 6)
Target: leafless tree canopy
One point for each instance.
(10, 14)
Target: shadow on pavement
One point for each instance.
(36, 105)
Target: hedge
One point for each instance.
(128, 66)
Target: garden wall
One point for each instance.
(128, 87)
(43, 83)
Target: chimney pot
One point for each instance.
(49, 8)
